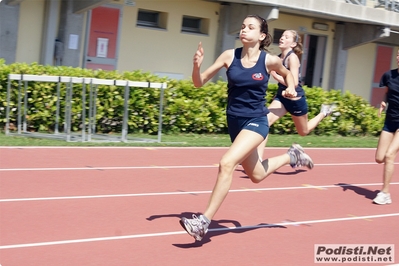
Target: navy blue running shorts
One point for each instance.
(235, 124)
(294, 107)
(390, 126)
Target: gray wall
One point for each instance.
(8, 31)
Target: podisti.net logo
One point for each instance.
(354, 253)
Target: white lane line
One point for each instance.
(150, 167)
(107, 168)
(85, 240)
(165, 148)
(189, 192)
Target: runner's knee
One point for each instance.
(255, 178)
(390, 157)
(379, 160)
(226, 165)
(303, 132)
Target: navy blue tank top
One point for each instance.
(247, 87)
(299, 90)
(390, 79)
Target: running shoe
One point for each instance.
(297, 147)
(195, 227)
(383, 198)
(328, 109)
(302, 159)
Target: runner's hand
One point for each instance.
(289, 93)
(198, 56)
(383, 105)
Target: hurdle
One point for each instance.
(88, 119)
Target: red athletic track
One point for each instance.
(121, 206)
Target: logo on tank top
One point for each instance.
(257, 76)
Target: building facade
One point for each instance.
(348, 44)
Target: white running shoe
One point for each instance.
(196, 227)
(328, 109)
(296, 146)
(302, 159)
(383, 198)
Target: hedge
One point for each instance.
(186, 108)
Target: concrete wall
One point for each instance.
(360, 70)
(30, 31)
(169, 50)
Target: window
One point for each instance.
(153, 19)
(191, 24)
(277, 35)
(195, 25)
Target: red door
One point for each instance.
(382, 64)
(103, 38)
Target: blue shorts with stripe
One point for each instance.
(235, 124)
(294, 107)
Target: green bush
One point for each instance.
(185, 108)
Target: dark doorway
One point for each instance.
(312, 50)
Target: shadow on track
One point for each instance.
(368, 194)
(216, 228)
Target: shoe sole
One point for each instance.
(188, 231)
(311, 164)
(182, 223)
(383, 203)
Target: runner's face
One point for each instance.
(286, 40)
(250, 30)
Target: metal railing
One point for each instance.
(88, 89)
(391, 5)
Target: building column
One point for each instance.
(51, 14)
(338, 59)
(225, 40)
(70, 34)
(9, 22)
